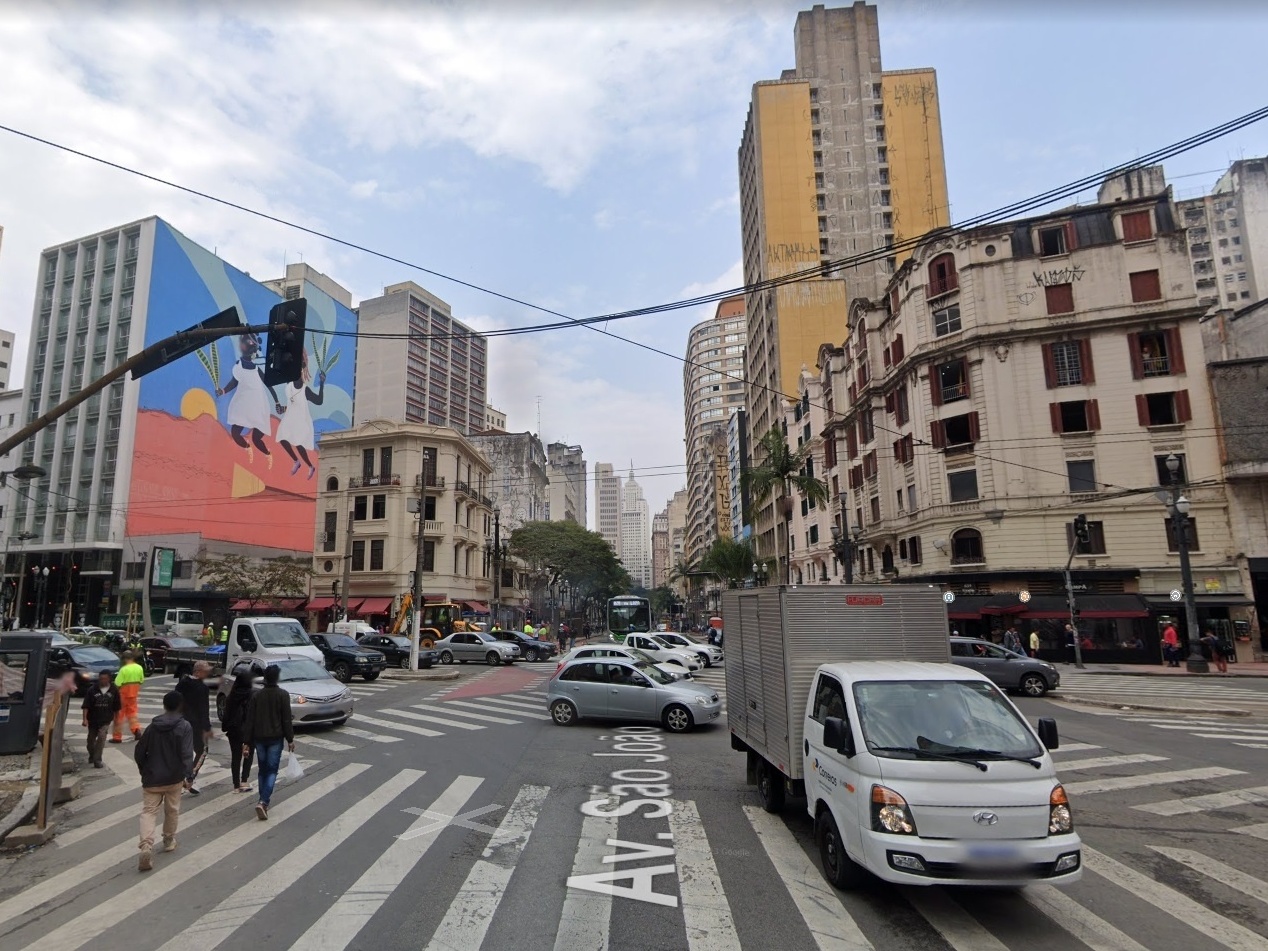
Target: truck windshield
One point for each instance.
(281, 634)
(189, 617)
(903, 718)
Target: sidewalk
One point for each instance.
(1255, 669)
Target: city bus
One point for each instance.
(629, 615)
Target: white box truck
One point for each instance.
(913, 769)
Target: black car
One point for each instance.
(85, 661)
(155, 650)
(345, 658)
(396, 649)
(530, 647)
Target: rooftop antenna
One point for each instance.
(539, 417)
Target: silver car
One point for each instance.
(1009, 670)
(463, 646)
(709, 653)
(316, 696)
(674, 671)
(619, 689)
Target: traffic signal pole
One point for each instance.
(1079, 534)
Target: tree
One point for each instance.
(569, 552)
(256, 579)
(729, 560)
(782, 473)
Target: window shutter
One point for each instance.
(1142, 409)
(862, 376)
(909, 448)
(1054, 412)
(1184, 412)
(898, 450)
(1138, 361)
(974, 433)
(1071, 236)
(936, 434)
(1085, 358)
(898, 349)
(1175, 351)
(885, 357)
(935, 388)
(854, 394)
(1093, 415)
(1049, 367)
(889, 402)
(851, 441)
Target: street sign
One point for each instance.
(1023, 596)
(1177, 594)
(949, 597)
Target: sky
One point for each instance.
(577, 157)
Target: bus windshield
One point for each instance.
(629, 616)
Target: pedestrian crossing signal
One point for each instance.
(284, 352)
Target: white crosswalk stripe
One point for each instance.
(1159, 687)
(451, 709)
(402, 727)
(1118, 783)
(423, 718)
(1211, 801)
(488, 705)
(1098, 762)
(366, 735)
(1220, 871)
(706, 911)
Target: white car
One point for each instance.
(663, 652)
(706, 652)
(598, 651)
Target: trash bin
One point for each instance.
(23, 671)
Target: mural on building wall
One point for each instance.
(218, 452)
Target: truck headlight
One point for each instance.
(1060, 820)
(890, 812)
(363, 660)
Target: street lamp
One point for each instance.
(1178, 509)
(841, 549)
(759, 574)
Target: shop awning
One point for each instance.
(967, 607)
(323, 603)
(372, 606)
(292, 604)
(245, 604)
(476, 607)
(1111, 605)
(1046, 607)
(1229, 600)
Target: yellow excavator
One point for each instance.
(440, 619)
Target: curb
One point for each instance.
(1150, 673)
(420, 674)
(26, 805)
(1154, 708)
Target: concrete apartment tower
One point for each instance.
(838, 159)
(566, 469)
(1228, 236)
(713, 388)
(607, 504)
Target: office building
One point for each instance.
(660, 548)
(1227, 234)
(607, 504)
(676, 511)
(566, 469)
(713, 387)
(437, 376)
(636, 533)
(194, 456)
(6, 357)
(737, 454)
(494, 419)
(838, 159)
(519, 484)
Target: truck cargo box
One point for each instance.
(776, 638)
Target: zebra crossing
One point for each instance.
(1249, 732)
(235, 883)
(1179, 690)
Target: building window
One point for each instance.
(358, 556)
(378, 508)
(359, 508)
(913, 549)
(911, 498)
(956, 431)
(1164, 474)
(1052, 241)
(875, 505)
(1156, 353)
(1081, 474)
(942, 275)
(1095, 545)
(367, 464)
(1137, 226)
(867, 427)
(949, 382)
(1067, 363)
(962, 485)
(1163, 409)
(1146, 286)
(1190, 534)
(1075, 416)
(376, 554)
(331, 529)
(429, 556)
(385, 462)
(946, 320)
(902, 413)
(966, 547)
(1059, 298)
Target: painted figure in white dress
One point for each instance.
(295, 432)
(251, 408)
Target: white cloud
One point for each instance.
(364, 189)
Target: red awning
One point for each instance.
(477, 607)
(293, 604)
(372, 606)
(242, 604)
(323, 603)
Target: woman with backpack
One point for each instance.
(234, 726)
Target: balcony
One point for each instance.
(465, 489)
(434, 528)
(954, 391)
(369, 482)
(430, 480)
(1156, 366)
(943, 285)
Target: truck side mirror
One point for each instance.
(1048, 733)
(247, 642)
(838, 736)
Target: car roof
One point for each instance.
(901, 670)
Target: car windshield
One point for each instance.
(91, 654)
(487, 638)
(301, 668)
(903, 718)
(340, 640)
(662, 642)
(640, 656)
(181, 642)
(654, 673)
(398, 642)
(281, 634)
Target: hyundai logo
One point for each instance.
(985, 818)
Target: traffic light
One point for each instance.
(284, 352)
(1081, 531)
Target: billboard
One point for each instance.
(217, 452)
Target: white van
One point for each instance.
(926, 774)
(354, 629)
(183, 622)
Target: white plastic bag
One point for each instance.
(294, 772)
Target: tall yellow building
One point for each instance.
(838, 159)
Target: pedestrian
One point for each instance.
(1170, 645)
(528, 628)
(1216, 647)
(164, 755)
(1034, 642)
(128, 680)
(234, 725)
(101, 706)
(268, 724)
(1012, 640)
(224, 634)
(586, 631)
(197, 710)
(1071, 656)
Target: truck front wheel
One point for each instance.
(342, 672)
(839, 869)
(770, 786)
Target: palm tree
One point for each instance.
(781, 473)
(729, 560)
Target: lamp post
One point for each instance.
(759, 574)
(841, 549)
(1178, 510)
(39, 577)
